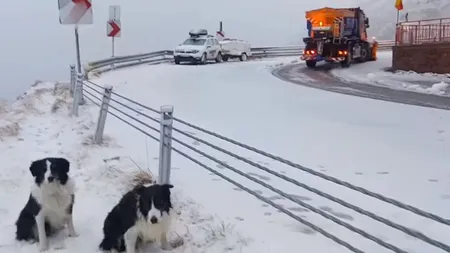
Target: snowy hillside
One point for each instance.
(383, 14)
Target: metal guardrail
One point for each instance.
(165, 56)
(128, 61)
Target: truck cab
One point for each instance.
(198, 48)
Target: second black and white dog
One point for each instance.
(50, 204)
(142, 215)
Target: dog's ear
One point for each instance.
(34, 168)
(139, 189)
(64, 164)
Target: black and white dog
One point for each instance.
(142, 215)
(50, 205)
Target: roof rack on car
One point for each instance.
(198, 32)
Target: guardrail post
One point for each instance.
(165, 144)
(77, 96)
(98, 137)
(73, 78)
(80, 79)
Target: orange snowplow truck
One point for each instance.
(337, 35)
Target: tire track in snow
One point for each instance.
(320, 78)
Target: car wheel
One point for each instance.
(203, 59)
(243, 57)
(219, 57)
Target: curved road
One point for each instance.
(319, 78)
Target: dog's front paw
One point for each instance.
(43, 246)
(176, 242)
(60, 246)
(165, 246)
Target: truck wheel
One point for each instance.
(346, 63)
(225, 58)
(311, 63)
(203, 59)
(243, 57)
(177, 61)
(219, 57)
(364, 54)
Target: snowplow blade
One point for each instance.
(374, 51)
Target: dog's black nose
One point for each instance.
(50, 179)
(153, 220)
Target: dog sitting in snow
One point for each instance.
(50, 205)
(142, 215)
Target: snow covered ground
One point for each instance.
(397, 150)
(37, 126)
(375, 73)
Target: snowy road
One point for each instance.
(354, 81)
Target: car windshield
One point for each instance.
(194, 42)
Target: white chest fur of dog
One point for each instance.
(54, 201)
(151, 232)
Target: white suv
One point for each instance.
(199, 48)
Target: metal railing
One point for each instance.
(424, 32)
(98, 67)
(123, 109)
